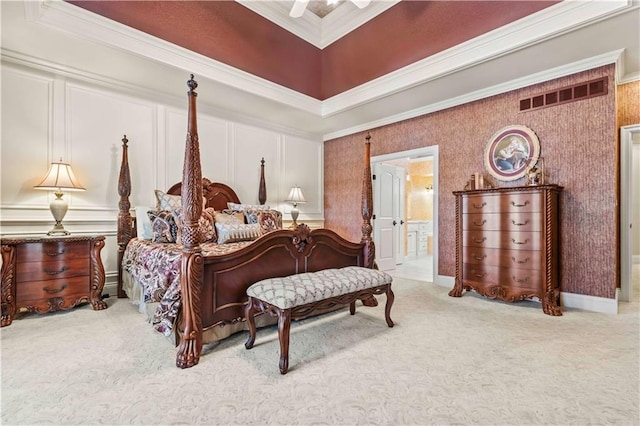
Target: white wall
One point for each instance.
(48, 115)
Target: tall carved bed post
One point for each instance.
(367, 207)
(192, 263)
(367, 213)
(262, 190)
(124, 215)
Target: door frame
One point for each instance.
(626, 170)
(427, 151)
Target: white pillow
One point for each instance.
(167, 201)
(143, 223)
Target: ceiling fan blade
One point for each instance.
(361, 3)
(298, 8)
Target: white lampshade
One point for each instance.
(60, 176)
(295, 196)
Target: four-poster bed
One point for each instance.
(211, 283)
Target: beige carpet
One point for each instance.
(448, 360)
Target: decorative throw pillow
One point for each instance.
(163, 226)
(269, 220)
(205, 225)
(230, 233)
(240, 207)
(228, 216)
(168, 201)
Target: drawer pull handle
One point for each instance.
(514, 204)
(50, 272)
(476, 257)
(478, 223)
(520, 242)
(524, 280)
(479, 206)
(56, 253)
(520, 261)
(479, 240)
(520, 224)
(478, 274)
(55, 290)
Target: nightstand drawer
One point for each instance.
(42, 290)
(53, 269)
(38, 252)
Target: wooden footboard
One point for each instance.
(277, 254)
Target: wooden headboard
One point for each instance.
(217, 194)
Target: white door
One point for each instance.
(386, 208)
(398, 208)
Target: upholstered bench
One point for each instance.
(298, 296)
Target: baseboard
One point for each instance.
(590, 303)
(567, 300)
(111, 285)
(444, 281)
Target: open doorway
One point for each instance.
(629, 212)
(405, 191)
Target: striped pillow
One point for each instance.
(232, 232)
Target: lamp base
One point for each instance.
(294, 217)
(58, 209)
(58, 229)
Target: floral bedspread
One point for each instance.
(156, 267)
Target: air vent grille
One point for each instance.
(577, 92)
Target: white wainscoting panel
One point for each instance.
(96, 123)
(215, 148)
(250, 145)
(27, 143)
(303, 166)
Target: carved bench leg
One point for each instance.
(387, 308)
(284, 328)
(251, 323)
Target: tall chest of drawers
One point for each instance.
(45, 274)
(507, 244)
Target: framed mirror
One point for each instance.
(511, 152)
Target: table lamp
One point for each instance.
(295, 197)
(60, 176)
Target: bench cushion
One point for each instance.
(300, 289)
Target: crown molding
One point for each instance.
(320, 32)
(541, 77)
(553, 21)
(544, 25)
(63, 16)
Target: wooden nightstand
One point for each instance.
(46, 274)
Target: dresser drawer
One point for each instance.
(511, 202)
(52, 269)
(504, 240)
(512, 221)
(38, 252)
(523, 259)
(521, 279)
(42, 290)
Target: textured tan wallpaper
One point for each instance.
(578, 143)
(628, 108)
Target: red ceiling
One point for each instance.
(232, 34)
